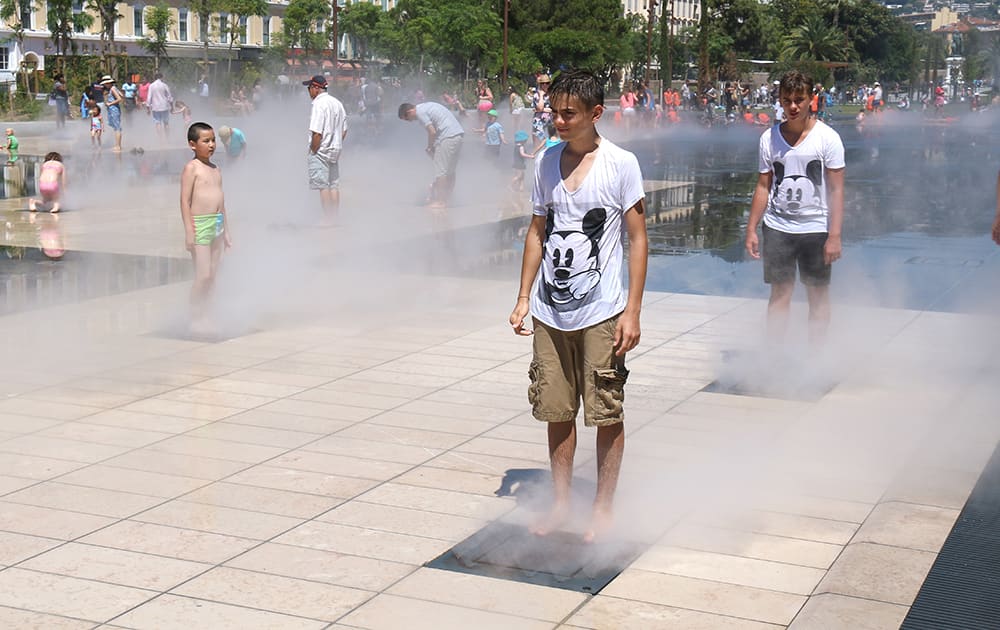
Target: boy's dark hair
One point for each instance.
(53, 155)
(581, 84)
(194, 131)
(404, 108)
(795, 82)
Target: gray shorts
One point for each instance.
(323, 175)
(446, 156)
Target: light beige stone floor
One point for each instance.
(300, 475)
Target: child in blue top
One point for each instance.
(520, 155)
(234, 141)
(494, 135)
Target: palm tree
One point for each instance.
(815, 40)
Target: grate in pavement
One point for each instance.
(962, 589)
(559, 560)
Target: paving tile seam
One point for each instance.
(723, 581)
(698, 610)
(40, 612)
(734, 555)
(464, 607)
(215, 601)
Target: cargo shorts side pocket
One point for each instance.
(609, 387)
(534, 384)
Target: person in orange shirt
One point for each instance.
(814, 105)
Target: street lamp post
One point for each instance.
(506, 11)
(336, 43)
(649, 37)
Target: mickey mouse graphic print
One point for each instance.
(580, 281)
(797, 201)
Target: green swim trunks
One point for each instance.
(207, 228)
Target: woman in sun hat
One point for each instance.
(540, 103)
(113, 100)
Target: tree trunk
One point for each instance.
(704, 80)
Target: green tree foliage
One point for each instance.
(62, 22)
(299, 28)
(204, 10)
(815, 40)
(361, 22)
(11, 12)
(238, 11)
(107, 13)
(158, 21)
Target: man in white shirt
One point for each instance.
(327, 130)
(160, 103)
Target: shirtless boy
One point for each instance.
(203, 209)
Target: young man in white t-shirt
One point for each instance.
(800, 196)
(586, 190)
(327, 131)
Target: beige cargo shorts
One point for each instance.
(568, 366)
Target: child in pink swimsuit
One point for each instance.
(51, 183)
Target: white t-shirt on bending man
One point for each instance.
(329, 120)
(797, 203)
(580, 282)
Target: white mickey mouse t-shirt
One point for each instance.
(797, 200)
(579, 283)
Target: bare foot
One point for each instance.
(600, 524)
(552, 521)
(32, 206)
(55, 209)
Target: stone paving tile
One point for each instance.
(170, 612)
(45, 409)
(172, 542)
(118, 386)
(28, 620)
(907, 525)
(208, 468)
(712, 597)
(280, 502)
(218, 449)
(288, 422)
(66, 596)
(420, 422)
(319, 410)
(322, 566)
(401, 453)
(83, 452)
(368, 543)
(16, 423)
(339, 465)
(71, 396)
(885, 574)
(100, 434)
(939, 487)
(750, 545)
(274, 593)
(436, 500)
(836, 612)
(218, 520)
(310, 370)
(214, 398)
(193, 411)
(233, 385)
(404, 435)
(359, 385)
(788, 525)
(353, 399)
(35, 467)
(133, 481)
(604, 613)
(270, 377)
(47, 522)
(483, 464)
(116, 566)
(17, 547)
(246, 434)
(458, 480)
(403, 520)
(61, 496)
(763, 574)
(302, 481)
(9, 485)
(384, 612)
(142, 421)
(489, 594)
(506, 448)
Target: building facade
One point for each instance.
(184, 39)
(685, 12)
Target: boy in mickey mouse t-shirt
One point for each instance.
(588, 191)
(800, 196)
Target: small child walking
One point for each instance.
(494, 136)
(203, 210)
(12, 146)
(51, 183)
(520, 157)
(96, 126)
(234, 140)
